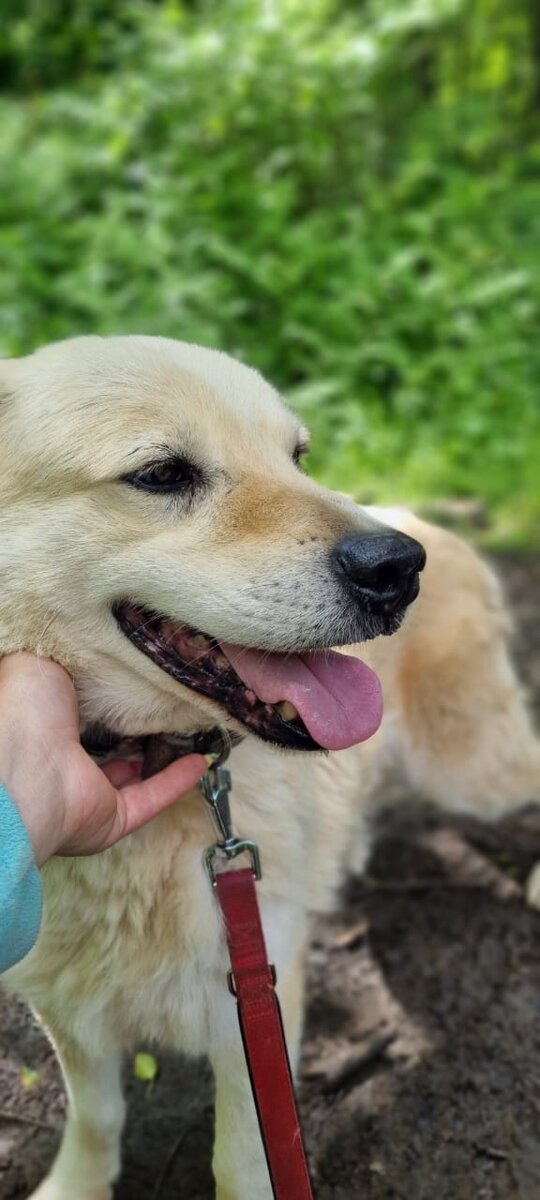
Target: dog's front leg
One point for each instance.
(240, 1168)
(89, 1157)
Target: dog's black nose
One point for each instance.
(380, 568)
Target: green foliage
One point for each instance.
(346, 196)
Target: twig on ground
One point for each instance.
(491, 1152)
(20, 1119)
(351, 938)
(429, 883)
(466, 865)
(177, 1147)
(355, 1063)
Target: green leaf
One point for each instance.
(145, 1067)
(29, 1077)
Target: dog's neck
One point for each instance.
(158, 750)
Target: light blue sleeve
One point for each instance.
(20, 886)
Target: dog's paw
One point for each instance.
(532, 888)
(51, 1190)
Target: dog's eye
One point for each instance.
(169, 475)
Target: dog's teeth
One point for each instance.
(220, 660)
(287, 710)
(198, 639)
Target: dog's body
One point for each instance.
(131, 945)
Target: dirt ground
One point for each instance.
(421, 1068)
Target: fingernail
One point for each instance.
(212, 757)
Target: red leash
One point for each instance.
(252, 982)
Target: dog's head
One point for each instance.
(160, 540)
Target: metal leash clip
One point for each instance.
(215, 786)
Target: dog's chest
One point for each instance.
(135, 938)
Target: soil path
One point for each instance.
(421, 1068)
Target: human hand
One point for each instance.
(69, 804)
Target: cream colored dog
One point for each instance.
(156, 535)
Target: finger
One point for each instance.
(139, 802)
(119, 772)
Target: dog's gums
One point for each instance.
(314, 701)
(197, 662)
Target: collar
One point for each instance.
(158, 749)
(163, 748)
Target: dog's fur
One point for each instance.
(131, 945)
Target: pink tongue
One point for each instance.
(338, 698)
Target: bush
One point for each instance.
(346, 197)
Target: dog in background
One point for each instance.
(160, 540)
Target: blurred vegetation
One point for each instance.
(346, 195)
